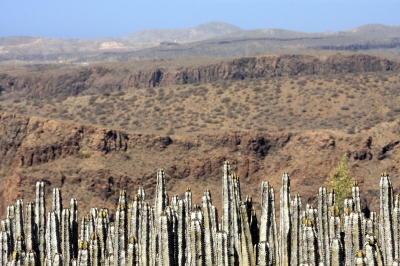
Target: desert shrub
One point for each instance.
(83, 155)
(344, 108)
(226, 100)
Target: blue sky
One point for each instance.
(115, 18)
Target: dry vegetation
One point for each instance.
(351, 102)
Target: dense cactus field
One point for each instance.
(175, 231)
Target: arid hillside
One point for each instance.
(95, 130)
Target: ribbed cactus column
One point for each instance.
(254, 230)
(83, 254)
(336, 254)
(386, 207)
(360, 258)
(95, 250)
(263, 254)
(165, 252)
(132, 259)
(285, 228)
(396, 227)
(247, 253)
(73, 208)
(5, 249)
(11, 218)
(221, 248)
(181, 232)
(273, 236)
(355, 192)
(323, 224)
(145, 235)
(209, 230)
(297, 234)
(236, 244)
(268, 231)
(227, 215)
(110, 239)
(30, 228)
(19, 219)
(134, 219)
(142, 193)
(334, 222)
(40, 220)
(52, 236)
(30, 259)
(57, 202)
(373, 253)
(101, 230)
(66, 236)
(57, 260)
(16, 259)
(353, 237)
(121, 236)
(196, 243)
(161, 196)
(310, 251)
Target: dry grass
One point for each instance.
(351, 103)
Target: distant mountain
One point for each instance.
(200, 32)
(214, 39)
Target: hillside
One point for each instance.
(91, 133)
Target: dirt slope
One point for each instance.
(92, 163)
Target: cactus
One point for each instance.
(30, 228)
(121, 236)
(296, 232)
(73, 208)
(285, 228)
(247, 253)
(66, 236)
(40, 221)
(52, 236)
(386, 206)
(187, 234)
(310, 251)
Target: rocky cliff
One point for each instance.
(106, 78)
(93, 163)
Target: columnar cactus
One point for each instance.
(196, 244)
(145, 235)
(73, 208)
(187, 235)
(323, 224)
(30, 228)
(5, 246)
(57, 202)
(121, 236)
(164, 241)
(40, 214)
(263, 256)
(95, 250)
(221, 248)
(66, 236)
(296, 231)
(247, 253)
(284, 240)
(52, 236)
(310, 251)
(209, 229)
(19, 220)
(336, 254)
(83, 254)
(386, 206)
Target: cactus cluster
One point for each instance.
(177, 232)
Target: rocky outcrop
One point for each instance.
(96, 162)
(108, 78)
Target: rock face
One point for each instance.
(94, 163)
(106, 78)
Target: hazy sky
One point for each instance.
(114, 18)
